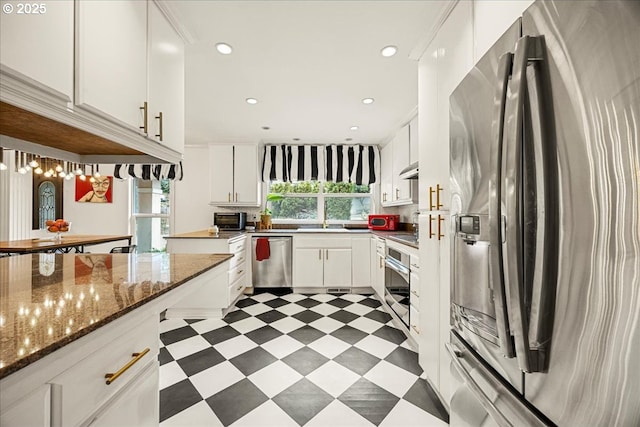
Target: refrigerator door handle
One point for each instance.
(477, 391)
(496, 273)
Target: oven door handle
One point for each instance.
(396, 266)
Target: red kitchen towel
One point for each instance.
(262, 249)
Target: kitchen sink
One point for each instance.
(322, 230)
(406, 237)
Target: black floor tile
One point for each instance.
(271, 316)
(378, 315)
(406, 359)
(393, 335)
(221, 334)
(234, 316)
(339, 302)
(246, 302)
(306, 334)
(176, 335)
(253, 360)
(236, 401)
(276, 302)
(200, 361)
(164, 356)
(305, 360)
(369, 400)
(177, 398)
(190, 321)
(357, 360)
(422, 395)
(280, 291)
(264, 334)
(307, 316)
(370, 302)
(308, 302)
(303, 400)
(343, 316)
(349, 334)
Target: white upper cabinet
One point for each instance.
(414, 143)
(395, 156)
(111, 60)
(234, 175)
(39, 44)
(166, 81)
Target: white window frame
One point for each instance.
(133, 217)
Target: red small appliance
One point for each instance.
(384, 222)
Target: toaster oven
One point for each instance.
(230, 220)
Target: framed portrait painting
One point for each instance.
(98, 191)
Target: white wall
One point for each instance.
(491, 19)
(191, 201)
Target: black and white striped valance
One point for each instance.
(338, 163)
(149, 172)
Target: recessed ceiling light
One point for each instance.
(296, 139)
(348, 139)
(354, 128)
(265, 128)
(224, 48)
(367, 101)
(251, 101)
(388, 51)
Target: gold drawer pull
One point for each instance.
(136, 356)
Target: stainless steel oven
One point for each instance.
(396, 282)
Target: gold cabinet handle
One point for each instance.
(397, 193)
(431, 233)
(415, 329)
(236, 197)
(111, 377)
(326, 253)
(159, 118)
(145, 117)
(431, 191)
(320, 254)
(384, 197)
(440, 221)
(229, 196)
(240, 272)
(438, 190)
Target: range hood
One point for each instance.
(410, 172)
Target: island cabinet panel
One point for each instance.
(33, 410)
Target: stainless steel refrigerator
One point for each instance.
(545, 185)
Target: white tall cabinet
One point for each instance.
(395, 156)
(234, 175)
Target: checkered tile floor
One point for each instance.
(294, 360)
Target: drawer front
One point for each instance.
(414, 321)
(322, 242)
(237, 287)
(414, 284)
(236, 272)
(238, 246)
(415, 262)
(82, 388)
(239, 259)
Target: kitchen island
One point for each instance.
(69, 321)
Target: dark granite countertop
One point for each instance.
(50, 300)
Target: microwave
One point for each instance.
(230, 220)
(384, 222)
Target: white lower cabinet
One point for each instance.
(337, 268)
(360, 262)
(322, 262)
(378, 248)
(33, 410)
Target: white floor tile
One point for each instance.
(282, 346)
(325, 309)
(406, 414)
(235, 346)
(215, 379)
(376, 346)
(391, 378)
(274, 378)
(358, 309)
(171, 373)
(333, 378)
(256, 309)
(329, 346)
(293, 297)
(337, 414)
(291, 309)
(409, 346)
(353, 297)
(266, 415)
(263, 297)
(323, 297)
(171, 324)
(197, 415)
(247, 325)
(188, 346)
(208, 325)
(287, 324)
(365, 325)
(326, 324)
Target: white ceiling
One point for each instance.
(309, 64)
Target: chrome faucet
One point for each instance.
(324, 222)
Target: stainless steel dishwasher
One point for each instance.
(273, 271)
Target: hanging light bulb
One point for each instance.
(69, 176)
(80, 170)
(34, 163)
(19, 163)
(38, 170)
(62, 174)
(2, 165)
(58, 168)
(97, 174)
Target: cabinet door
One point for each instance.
(361, 262)
(32, 410)
(337, 268)
(413, 140)
(221, 173)
(40, 45)
(111, 59)
(309, 267)
(166, 81)
(401, 152)
(386, 172)
(245, 175)
(136, 405)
